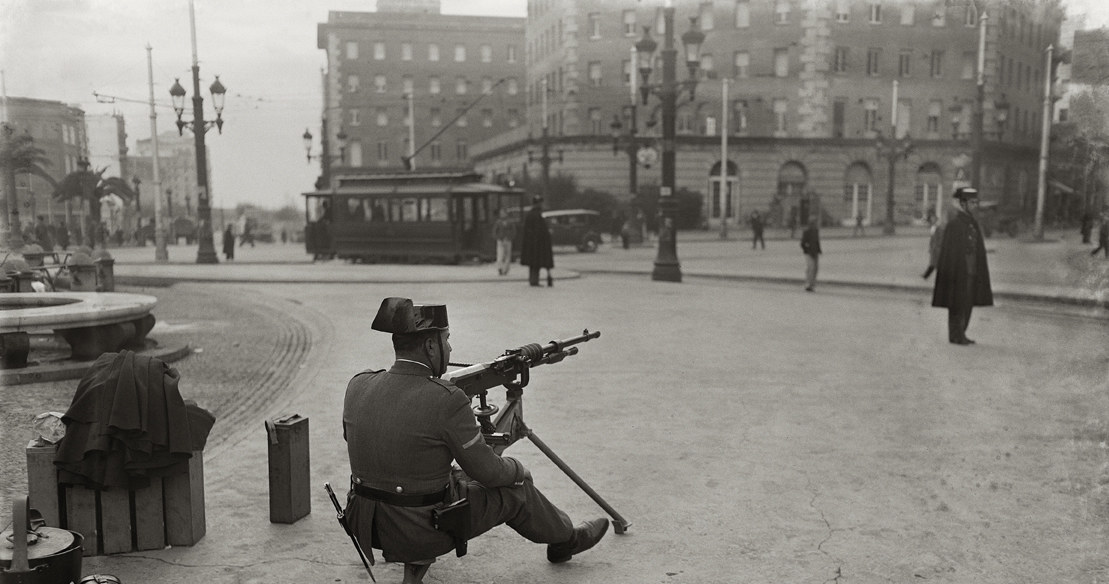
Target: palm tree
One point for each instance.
(18, 153)
(89, 186)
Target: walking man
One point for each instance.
(535, 249)
(504, 231)
(859, 229)
(962, 276)
(757, 226)
(810, 246)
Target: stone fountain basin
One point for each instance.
(91, 322)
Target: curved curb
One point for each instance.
(61, 371)
(166, 281)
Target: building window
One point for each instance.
(875, 13)
(487, 85)
(594, 25)
(461, 150)
(971, 15)
(436, 151)
(382, 116)
(486, 53)
(660, 22)
(379, 83)
(436, 116)
(356, 117)
(352, 83)
(935, 110)
(908, 15)
(433, 86)
(781, 12)
(383, 152)
(781, 62)
(461, 121)
(513, 118)
(460, 53)
(379, 51)
(596, 124)
(433, 52)
(843, 11)
(742, 14)
(511, 52)
(708, 65)
(706, 21)
(513, 86)
(936, 64)
(940, 17)
(905, 63)
(409, 88)
(741, 64)
(406, 51)
(352, 50)
(739, 116)
(460, 85)
(781, 120)
(873, 56)
(626, 65)
(839, 62)
(870, 116)
(968, 64)
(595, 78)
(684, 122)
(355, 152)
(629, 23)
(904, 117)
(487, 118)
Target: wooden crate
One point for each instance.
(170, 510)
(289, 469)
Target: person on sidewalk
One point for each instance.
(229, 242)
(535, 249)
(1102, 235)
(504, 231)
(962, 275)
(810, 246)
(757, 227)
(404, 427)
(859, 229)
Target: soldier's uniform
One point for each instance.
(403, 428)
(962, 275)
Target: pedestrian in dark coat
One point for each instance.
(229, 242)
(535, 247)
(962, 275)
(405, 426)
(810, 245)
(757, 226)
(1102, 235)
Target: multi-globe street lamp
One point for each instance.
(206, 253)
(667, 267)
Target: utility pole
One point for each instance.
(1045, 135)
(161, 255)
(980, 101)
(725, 192)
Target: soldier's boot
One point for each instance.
(586, 535)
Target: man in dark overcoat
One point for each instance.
(404, 426)
(535, 248)
(962, 275)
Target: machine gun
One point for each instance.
(512, 370)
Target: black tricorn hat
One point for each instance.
(966, 193)
(399, 316)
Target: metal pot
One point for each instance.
(31, 553)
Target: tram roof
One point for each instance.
(413, 184)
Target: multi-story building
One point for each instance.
(176, 172)
(812, 86)
(461, 77)
(59, 130)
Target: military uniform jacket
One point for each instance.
(403, 428)
(962, 256)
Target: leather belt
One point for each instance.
(401, 499)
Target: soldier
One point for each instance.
(962, 276)
(403, 428)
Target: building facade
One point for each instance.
(59, 130)
(176, 172)
(812, 88)
(461, 77)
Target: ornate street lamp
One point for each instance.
(892, 150)
(323, 155)
(667, 267)
(206, 253)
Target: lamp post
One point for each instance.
(980, 99)
(667, 268)
(15, 233)
(324, 156)
(892, 150)
(138, 211)
(206, 253)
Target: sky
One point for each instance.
(263, 50)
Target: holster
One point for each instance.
(454, 520)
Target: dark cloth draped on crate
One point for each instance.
(128, 422)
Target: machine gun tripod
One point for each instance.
(503, 427)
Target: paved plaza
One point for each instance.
(749, 431)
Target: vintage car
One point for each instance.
(577, 227)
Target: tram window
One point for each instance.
(467, 214)
(355, 209)
(315, 208)
(377, 210)
(437, 210)
(408, 210)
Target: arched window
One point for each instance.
(723, 205)
(857, 190)
(791, 180)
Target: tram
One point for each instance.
(407, 218)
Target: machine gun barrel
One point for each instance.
(512, 367)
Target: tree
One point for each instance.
(18, 153)
(88, 186)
